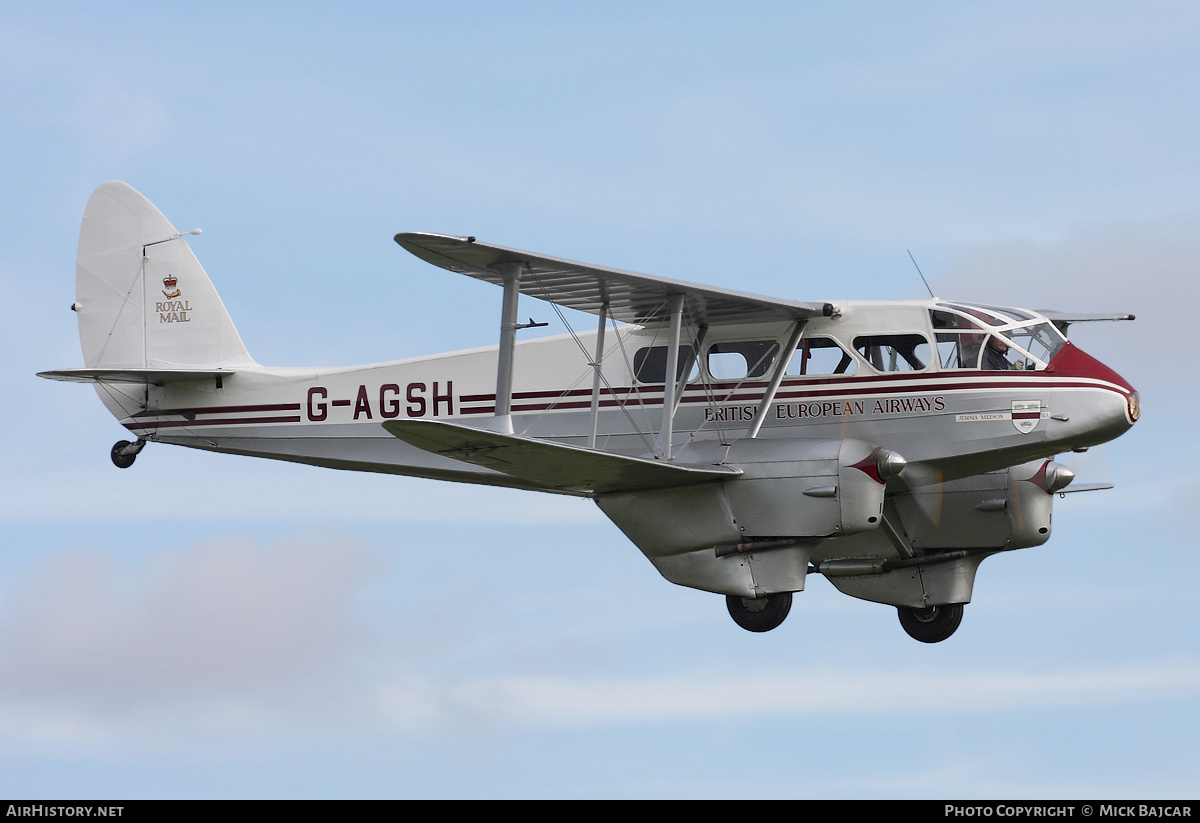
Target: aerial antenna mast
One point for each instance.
(923, 280)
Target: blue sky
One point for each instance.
(202, 625)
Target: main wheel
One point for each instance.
(932, 624)
(760, 614)
(119, 458)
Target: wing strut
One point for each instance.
(597, 365)
(502, 417)
(675, 306)
(689, 361)
(785, 357)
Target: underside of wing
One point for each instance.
(630, 297)
(155, 377)
(552, 466)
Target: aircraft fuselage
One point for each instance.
(958, 421)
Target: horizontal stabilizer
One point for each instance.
(627, 296)
(551, 465)
(1085, 487)
(155, 377)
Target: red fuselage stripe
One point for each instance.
(221, 409)
(233, 421)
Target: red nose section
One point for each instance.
(1073, 362)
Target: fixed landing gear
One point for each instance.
(932, 624)
(760, 614)
(124, 453)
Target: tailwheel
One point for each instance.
(124, 453)
(932, 624)
(759, 614)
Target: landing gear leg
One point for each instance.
(124, 453)
(932, 624)
(760, 614)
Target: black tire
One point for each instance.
(932, 624)
(121, 461)
(759, 614)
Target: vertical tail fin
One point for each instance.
(143, 300)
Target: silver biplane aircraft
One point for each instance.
(741, 442)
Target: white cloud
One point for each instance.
(553, 701)
(223, 618)
(431, 704)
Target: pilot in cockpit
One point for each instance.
(994, 355)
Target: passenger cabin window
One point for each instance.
(650, 364)
(894, 352)
(741, 359)
(959, 340)
(820, 355)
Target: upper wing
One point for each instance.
(552, 466)
(1064, 320)
(630, 297)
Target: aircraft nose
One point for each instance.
(1073, 362)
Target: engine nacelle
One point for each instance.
(799, 488)
(789, 490)
(1009, 509)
